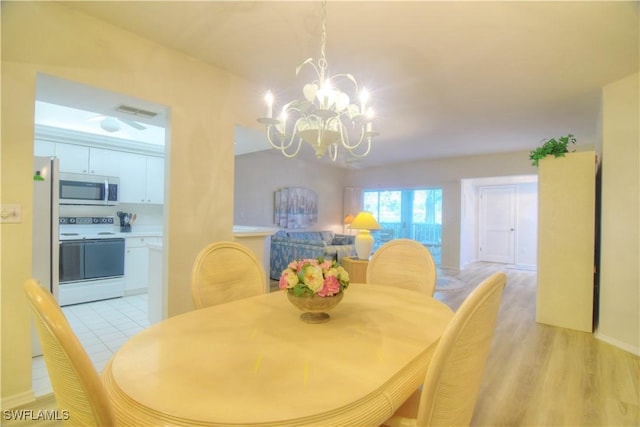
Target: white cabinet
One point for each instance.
(136, 264)
(44, 148)
(155, 179)
(90, 160)
(141, 178)
(73, 158)
(566, 240)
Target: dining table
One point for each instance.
(254, 362)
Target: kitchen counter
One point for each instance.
(115, 234)
(252, 231)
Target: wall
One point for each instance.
(447, 174)
(619, 320)
(253, 203)
(204, 105)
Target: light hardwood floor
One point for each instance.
(536, 375)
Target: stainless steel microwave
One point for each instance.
(82, 189)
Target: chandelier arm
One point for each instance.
(281, 137)
(333, 152)
(366, 152)
(295, 153)
(344, 138)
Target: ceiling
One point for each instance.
(447, 78)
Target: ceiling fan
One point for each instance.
(114, 124)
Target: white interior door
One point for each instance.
(497, 223)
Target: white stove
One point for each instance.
(87, 227)
(91, 260)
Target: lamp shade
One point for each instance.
(348, 219)
(365, 221)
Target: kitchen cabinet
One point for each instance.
(141, 178)
(44, 148)
(89, 160)
(155, 179)
(136, 264)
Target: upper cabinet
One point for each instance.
(141, 178)
(89, 160)
(140, 170)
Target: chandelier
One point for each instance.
(326, 117)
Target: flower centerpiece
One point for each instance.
(314, 286)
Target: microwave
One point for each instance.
(82, 189)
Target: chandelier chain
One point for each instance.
(322, 61)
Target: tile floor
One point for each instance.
(102, 327)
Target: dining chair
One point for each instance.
(404, 263)
(76, 384)
(226, 271)
(450, 390)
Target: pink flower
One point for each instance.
(330, 287)
(288, 279)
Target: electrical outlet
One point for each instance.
(11, 214)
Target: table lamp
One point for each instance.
(363, 222)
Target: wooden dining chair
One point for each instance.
(76, 384)
(404, 263)
(450, 390)
(225, 271)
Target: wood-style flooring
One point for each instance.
(536, 375)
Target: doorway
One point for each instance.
(499, 221)
(86, 119)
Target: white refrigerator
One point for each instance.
(45, 252)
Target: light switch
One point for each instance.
(11, 214)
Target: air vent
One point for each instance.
(136, 111)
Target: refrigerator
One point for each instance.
(45, 251)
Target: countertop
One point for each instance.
(252, 230)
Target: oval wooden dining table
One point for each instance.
(254, 362)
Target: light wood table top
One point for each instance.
(254, 362)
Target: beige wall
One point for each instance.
(620, 237)
(205, 104)
(445, 173)
(253, 203)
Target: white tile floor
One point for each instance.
(102, 327)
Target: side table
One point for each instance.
(357, 268)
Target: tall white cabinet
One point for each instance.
(566, 240)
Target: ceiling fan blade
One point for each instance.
(133, 124)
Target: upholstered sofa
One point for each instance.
(287, 246)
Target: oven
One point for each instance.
(91, 259)
(90, 270)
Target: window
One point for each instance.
(407, 213)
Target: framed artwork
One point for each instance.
(295, 207)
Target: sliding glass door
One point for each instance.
(407, 213)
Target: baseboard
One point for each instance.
(617, 343)
(18, 400)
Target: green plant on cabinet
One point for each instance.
(552, 147)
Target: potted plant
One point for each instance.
(552, 147)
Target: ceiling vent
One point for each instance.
(135, 111)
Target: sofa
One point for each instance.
(287, 246)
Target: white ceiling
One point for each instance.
(447, 78)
